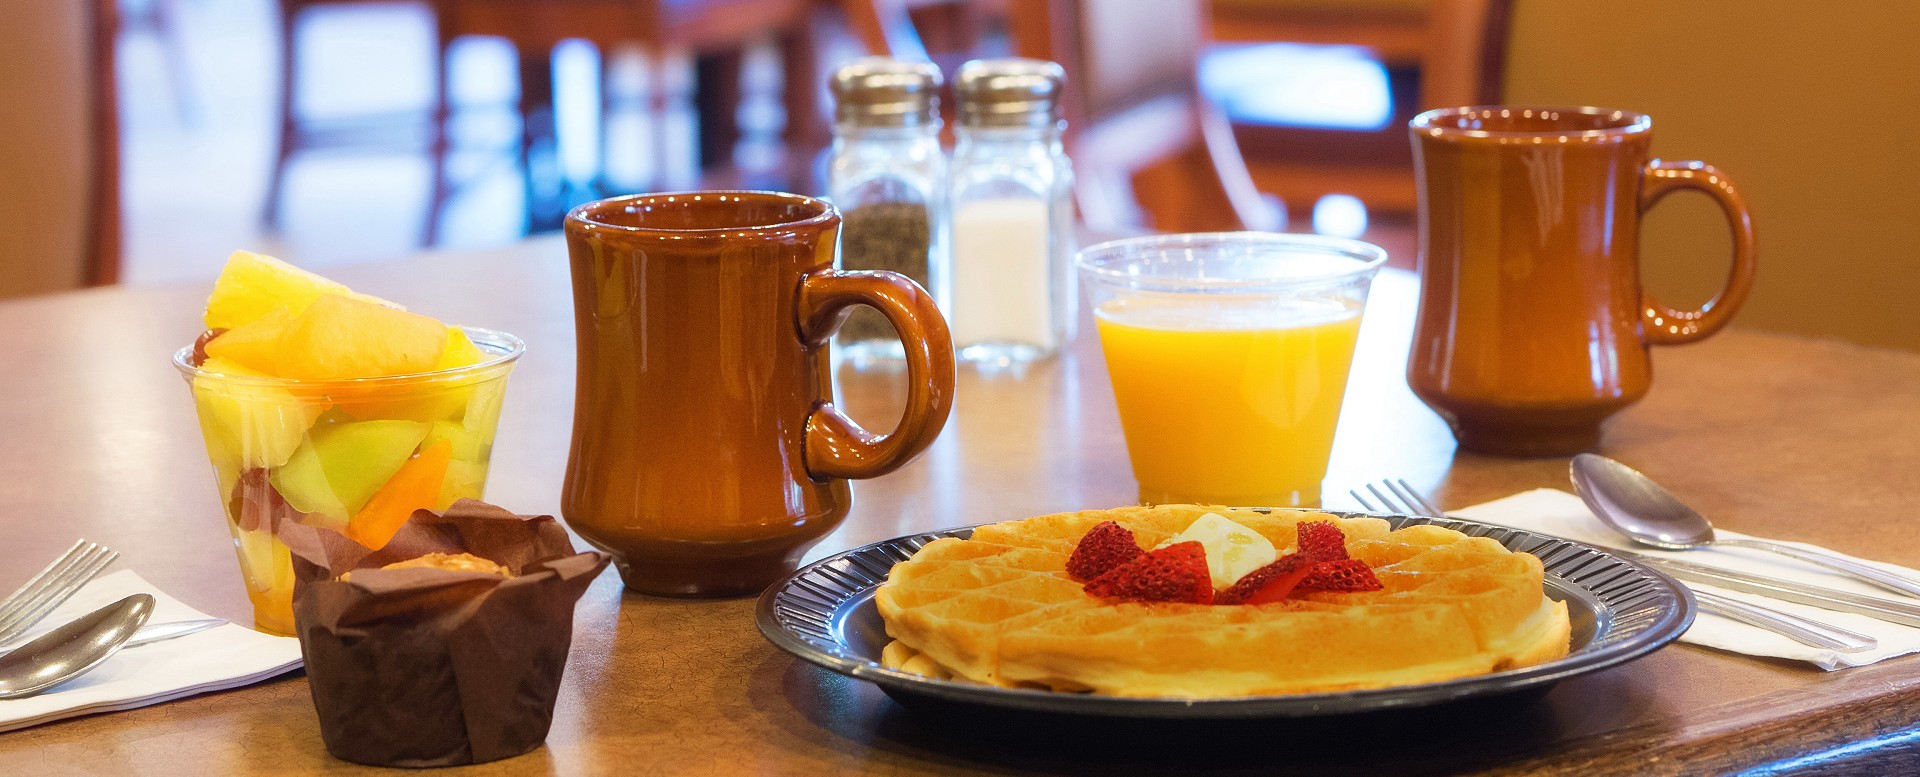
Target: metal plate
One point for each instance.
(1620, 610)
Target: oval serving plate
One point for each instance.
(1620, 611)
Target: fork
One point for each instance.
(54, 585)
(1400, 497)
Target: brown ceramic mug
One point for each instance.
(1533, 325)
(707, 453)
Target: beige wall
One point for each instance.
(46, 64)
(1813, 108)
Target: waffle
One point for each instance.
(1000, 609)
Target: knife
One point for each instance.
(156, 632)
(1799, 593)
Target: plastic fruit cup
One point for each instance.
(358, 456)
(1229, 355)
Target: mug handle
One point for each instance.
(1664, 325)
(836, 447)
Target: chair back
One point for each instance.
(1149, 150)
(1128, 52)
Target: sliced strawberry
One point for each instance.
(1270, 583)
(1176, 573)
(1344, 576)
(1103, 548)
(1322, 541)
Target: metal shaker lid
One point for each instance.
(1010, 92)
(887, 92)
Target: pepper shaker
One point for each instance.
(887, 174)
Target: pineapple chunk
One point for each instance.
(253, 285)
(460, 352)
(248, 424)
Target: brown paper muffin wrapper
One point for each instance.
(429, 667)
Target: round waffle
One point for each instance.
(1000, 609)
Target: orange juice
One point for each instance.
(1229, 400)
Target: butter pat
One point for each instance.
(1232, 550)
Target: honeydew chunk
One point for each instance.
(359, 457)
(302, 481)
(1233, 550)
(467, 444)
(253, 285)
(483, 407)
(464, 480)
(340, 337)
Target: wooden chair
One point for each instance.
(1148, 149)
(1451, 48)
(59, 147)
(161, 19)
(717, 31)
(945, 32)
(296, 136)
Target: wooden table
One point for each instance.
(1777, 436)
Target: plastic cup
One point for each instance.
(358, 455)
(1229, 355)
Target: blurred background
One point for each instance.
(143, 140)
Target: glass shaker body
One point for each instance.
(887, 174)
(1011, 286)
(888, 185)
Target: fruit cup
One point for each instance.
(354, 455)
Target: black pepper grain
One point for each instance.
(893, 236)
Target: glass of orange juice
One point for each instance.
(1229, 355)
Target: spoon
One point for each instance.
(71, 650)
(1639, 508)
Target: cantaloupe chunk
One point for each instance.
(342, 337)
(415, 486)
(219, 366)
(253, 285)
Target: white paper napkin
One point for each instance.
(219, 658)
(1563, 515)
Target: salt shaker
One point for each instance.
(1012, 292)
(887, 174)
